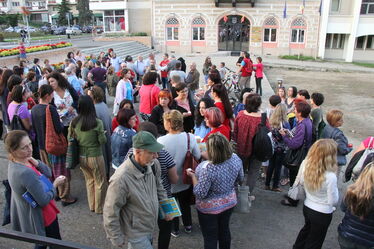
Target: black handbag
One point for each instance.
(294, 157)
(72, 154)
(16, 123)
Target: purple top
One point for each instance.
(22, 111)
(299, 135)
(98, 74)
(215, 190)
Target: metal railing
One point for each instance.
(41, 240)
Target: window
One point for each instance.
(298, 30)
(172, 30)
(360, 42)
(198, 29)
(370, 42)
(335, 41)
(367, 7)
(270, 30)
(114, 20)
(335, 5)
(15, 4)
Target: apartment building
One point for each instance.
(38, 8)
(347, 30)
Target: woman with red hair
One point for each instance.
(165, 103)
(214, 120)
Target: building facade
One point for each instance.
(347, 30)
(37, 8)
(263, 27)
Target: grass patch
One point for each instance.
(298, 58)
(364, 64)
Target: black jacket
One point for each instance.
(356, 230)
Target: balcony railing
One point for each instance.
(234, 2)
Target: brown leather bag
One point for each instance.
(55, 144)
(189, 162)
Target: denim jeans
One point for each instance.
(144, 242)
(164, 82)
(347, 244)
(215, 228)
(275, 166)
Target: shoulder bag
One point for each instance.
(294, 157)
(360, 164)
(72, 155)
(55, 144)
(297, 191)
(189, 162)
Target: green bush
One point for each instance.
(138, 34)
(1, 37)
(297, 57)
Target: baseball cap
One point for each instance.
(145, 140)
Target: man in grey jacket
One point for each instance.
(132, 201)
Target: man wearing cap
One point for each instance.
(131, 204)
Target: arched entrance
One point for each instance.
(233, 33)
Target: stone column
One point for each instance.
(352, 36)
(324, 19)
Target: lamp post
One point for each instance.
(26, 14)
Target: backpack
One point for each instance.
(16, 123)
(248, 66)
(261, 143)
(321, 127)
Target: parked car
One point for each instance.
(10, 29)
(87, 29)
(46, 29)
(99, 30)
(73, 31)
(59, 31)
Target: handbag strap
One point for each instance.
(188, 141)
(263, 118)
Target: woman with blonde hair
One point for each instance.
(357, 227)
(278, 120)
(318, 175)
(176, 143)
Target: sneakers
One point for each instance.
(188, 229)
(175, 234)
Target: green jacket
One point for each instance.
(89, 141)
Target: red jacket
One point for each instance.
(247, 68)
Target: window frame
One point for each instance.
(201, 29)
(174, 30)
(300, 31)
(338, 9)
(368, 5)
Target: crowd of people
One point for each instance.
(132, 159)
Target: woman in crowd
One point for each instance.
(56, 163)
(244, 130)
(241, 105)
(316, 113)
(48, 65)
(185, 106)
(4, 92)
(85, 70)
(214, 77)
(318, 176)
(71, 58)
(214, 187)
(122, 136)
(299, 136)
(334, 121)
(165, 103)
(201, 128)
(23, 64)
(357, 227)
(125, 104)
(221, 100)
(259, 75)
(102, 113)
(78, 69)
(282, 94)
(65, 98)
(278, 120)
(124, 90)
(291, 95)
(176, 142)
(79, 56)
(89, 132)
(214, 120)
(148, 93)
(24, 176)
(206, 68)
(112, 80)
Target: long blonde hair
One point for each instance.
(278, 116)
(359, 196)
(322, 157)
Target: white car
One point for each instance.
(73, 31)
(10, 29)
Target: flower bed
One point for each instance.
(15, 51)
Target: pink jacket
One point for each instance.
(148, 98)
(259, 70)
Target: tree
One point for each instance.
(85, 14)
(63, 9)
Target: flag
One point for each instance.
(243, 19)
(285, 10)
(320, 8)
(225, 18)
(302, 7)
